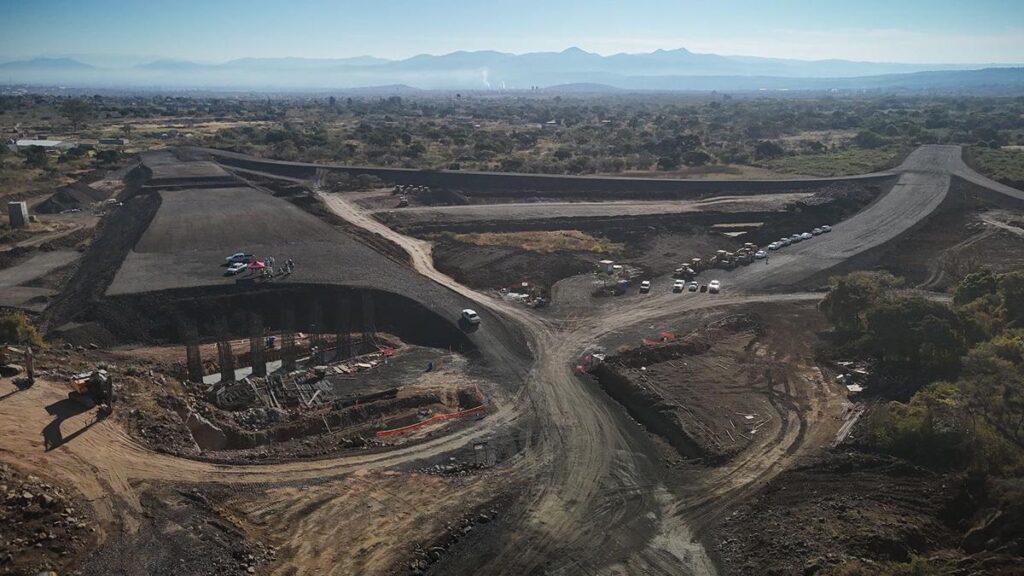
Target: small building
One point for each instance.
(48, 145)
(113, 141)
(18, 213)
(606, 266)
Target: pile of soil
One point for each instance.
(75, 196)
(491, 267)
(846, 509)
(41, 527)
(183, 534)
(693, 392)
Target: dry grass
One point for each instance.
(544, 241)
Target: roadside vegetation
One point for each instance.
(1001, 164)
(841, 163)
(951, 377)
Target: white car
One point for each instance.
(806, 236)
(239, 257)
(826, 228)
(470, 316)
(693, 287)
(645, 286)
(235, 268)
(817, 231)
(760, 255)
(714, 286)
(678, 285)
(783, 242)
(774, 246)
(795, 238)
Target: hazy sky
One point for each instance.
(917, 31)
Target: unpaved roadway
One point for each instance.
(597, 502)
(415, 215)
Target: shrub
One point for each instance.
(15, 328)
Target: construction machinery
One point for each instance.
(94, 388)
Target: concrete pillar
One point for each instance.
(226, 359)
(257, 346)
(18, 214)
(193, 362)
(369, 326)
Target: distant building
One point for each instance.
(114, 141)
(56, 145)
(18, 213)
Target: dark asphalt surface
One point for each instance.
(923, 183)
(195, 229)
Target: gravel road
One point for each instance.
(540, 210)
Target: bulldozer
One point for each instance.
(94, 388)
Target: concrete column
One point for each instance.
(227, 361)
(257, 346)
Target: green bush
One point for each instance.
(16, 328)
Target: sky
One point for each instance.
(912, 31)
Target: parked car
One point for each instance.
(774, 246)
(826, 228)
(239, 257)
(783, 242)
(714, 286)
(703, 288)
(645, 286)
(760, 255)
(806, 236)
(817, 231)
(795, 238)
(235, 268)
(693, 287)
(470, 316)
(678, 285)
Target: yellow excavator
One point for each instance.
(94, 388)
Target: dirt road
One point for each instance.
(541, 210)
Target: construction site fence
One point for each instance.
(432, 420)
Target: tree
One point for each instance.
(974, 286)
(920, 338)
(35, 157)
(766, 150)
(15, 328)
(849, 298)
(76, 111)
(993, 384)
(1011, 288)
(868, 139)
(668, 163)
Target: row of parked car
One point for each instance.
(679, 285)
(783, 242)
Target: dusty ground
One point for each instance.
(836, 511)
(42, 526)
(715, 391)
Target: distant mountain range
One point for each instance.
(571, 69)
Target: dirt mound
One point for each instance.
(76, 196)
(684, 391)
(183, 533)
(488, 267)
(41, 527)
(845, 509)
